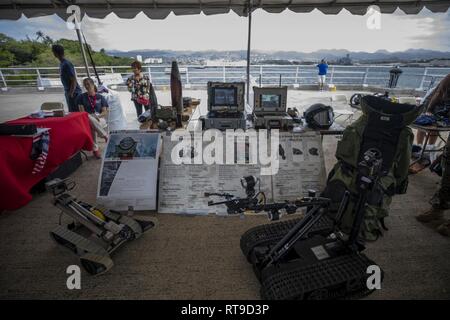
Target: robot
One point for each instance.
(95, 232)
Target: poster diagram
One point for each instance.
(304, 168)
(129, 173)
(182, 186)
(132, 145)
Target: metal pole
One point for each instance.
(149, 71)
(187, 75)
(365, 76)
(424, 76)
(83, 53)
(3, 80)
(249, 8)
(332, 75)
(38, 80)
(260, 75)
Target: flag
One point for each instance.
(40, 148)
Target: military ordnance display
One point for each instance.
(256, 201)
(95, 232)
(320, 265)
(226, 106)
(236, 205)
(176, 93)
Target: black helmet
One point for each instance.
(319, 116)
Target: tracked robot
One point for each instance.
(394, 142)
(310, 257)
(313, 260)
(95, 232)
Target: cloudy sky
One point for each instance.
(304, 32)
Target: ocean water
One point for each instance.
(304, 75)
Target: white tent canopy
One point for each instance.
(160, 9)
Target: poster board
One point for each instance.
(302, 166)
(182, 186)
(129, 171)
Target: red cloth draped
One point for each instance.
(68, 135)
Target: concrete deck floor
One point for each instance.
(199, 257)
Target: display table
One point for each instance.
(68, 135)
(429, 130)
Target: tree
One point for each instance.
(48, 41)
(39, 35)
(5, 39)
(37, 52)
(6, 58)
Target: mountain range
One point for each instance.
(409, 55)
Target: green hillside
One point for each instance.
(37, 52)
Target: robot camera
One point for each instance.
(58, 186)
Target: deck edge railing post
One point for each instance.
(332, 75)
(260, 75)
(149, 71)
(364, 82)
(5, 85)
(38, 80)
(187, 77)
(422, 82)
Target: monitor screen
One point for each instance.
(270, 101)
(225, 96)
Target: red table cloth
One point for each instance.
(68, 135)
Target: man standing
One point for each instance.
(68, 78)
(323, 68)
(440, 201)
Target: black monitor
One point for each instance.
(270, 99)
(226, 96)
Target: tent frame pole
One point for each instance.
(249, 13)
(83, 52)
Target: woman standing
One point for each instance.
(142, 93)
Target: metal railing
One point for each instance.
(197, 75)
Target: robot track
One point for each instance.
(269, 234)
(342, 277)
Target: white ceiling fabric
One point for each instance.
(160, 9)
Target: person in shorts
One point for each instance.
(323, 69)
